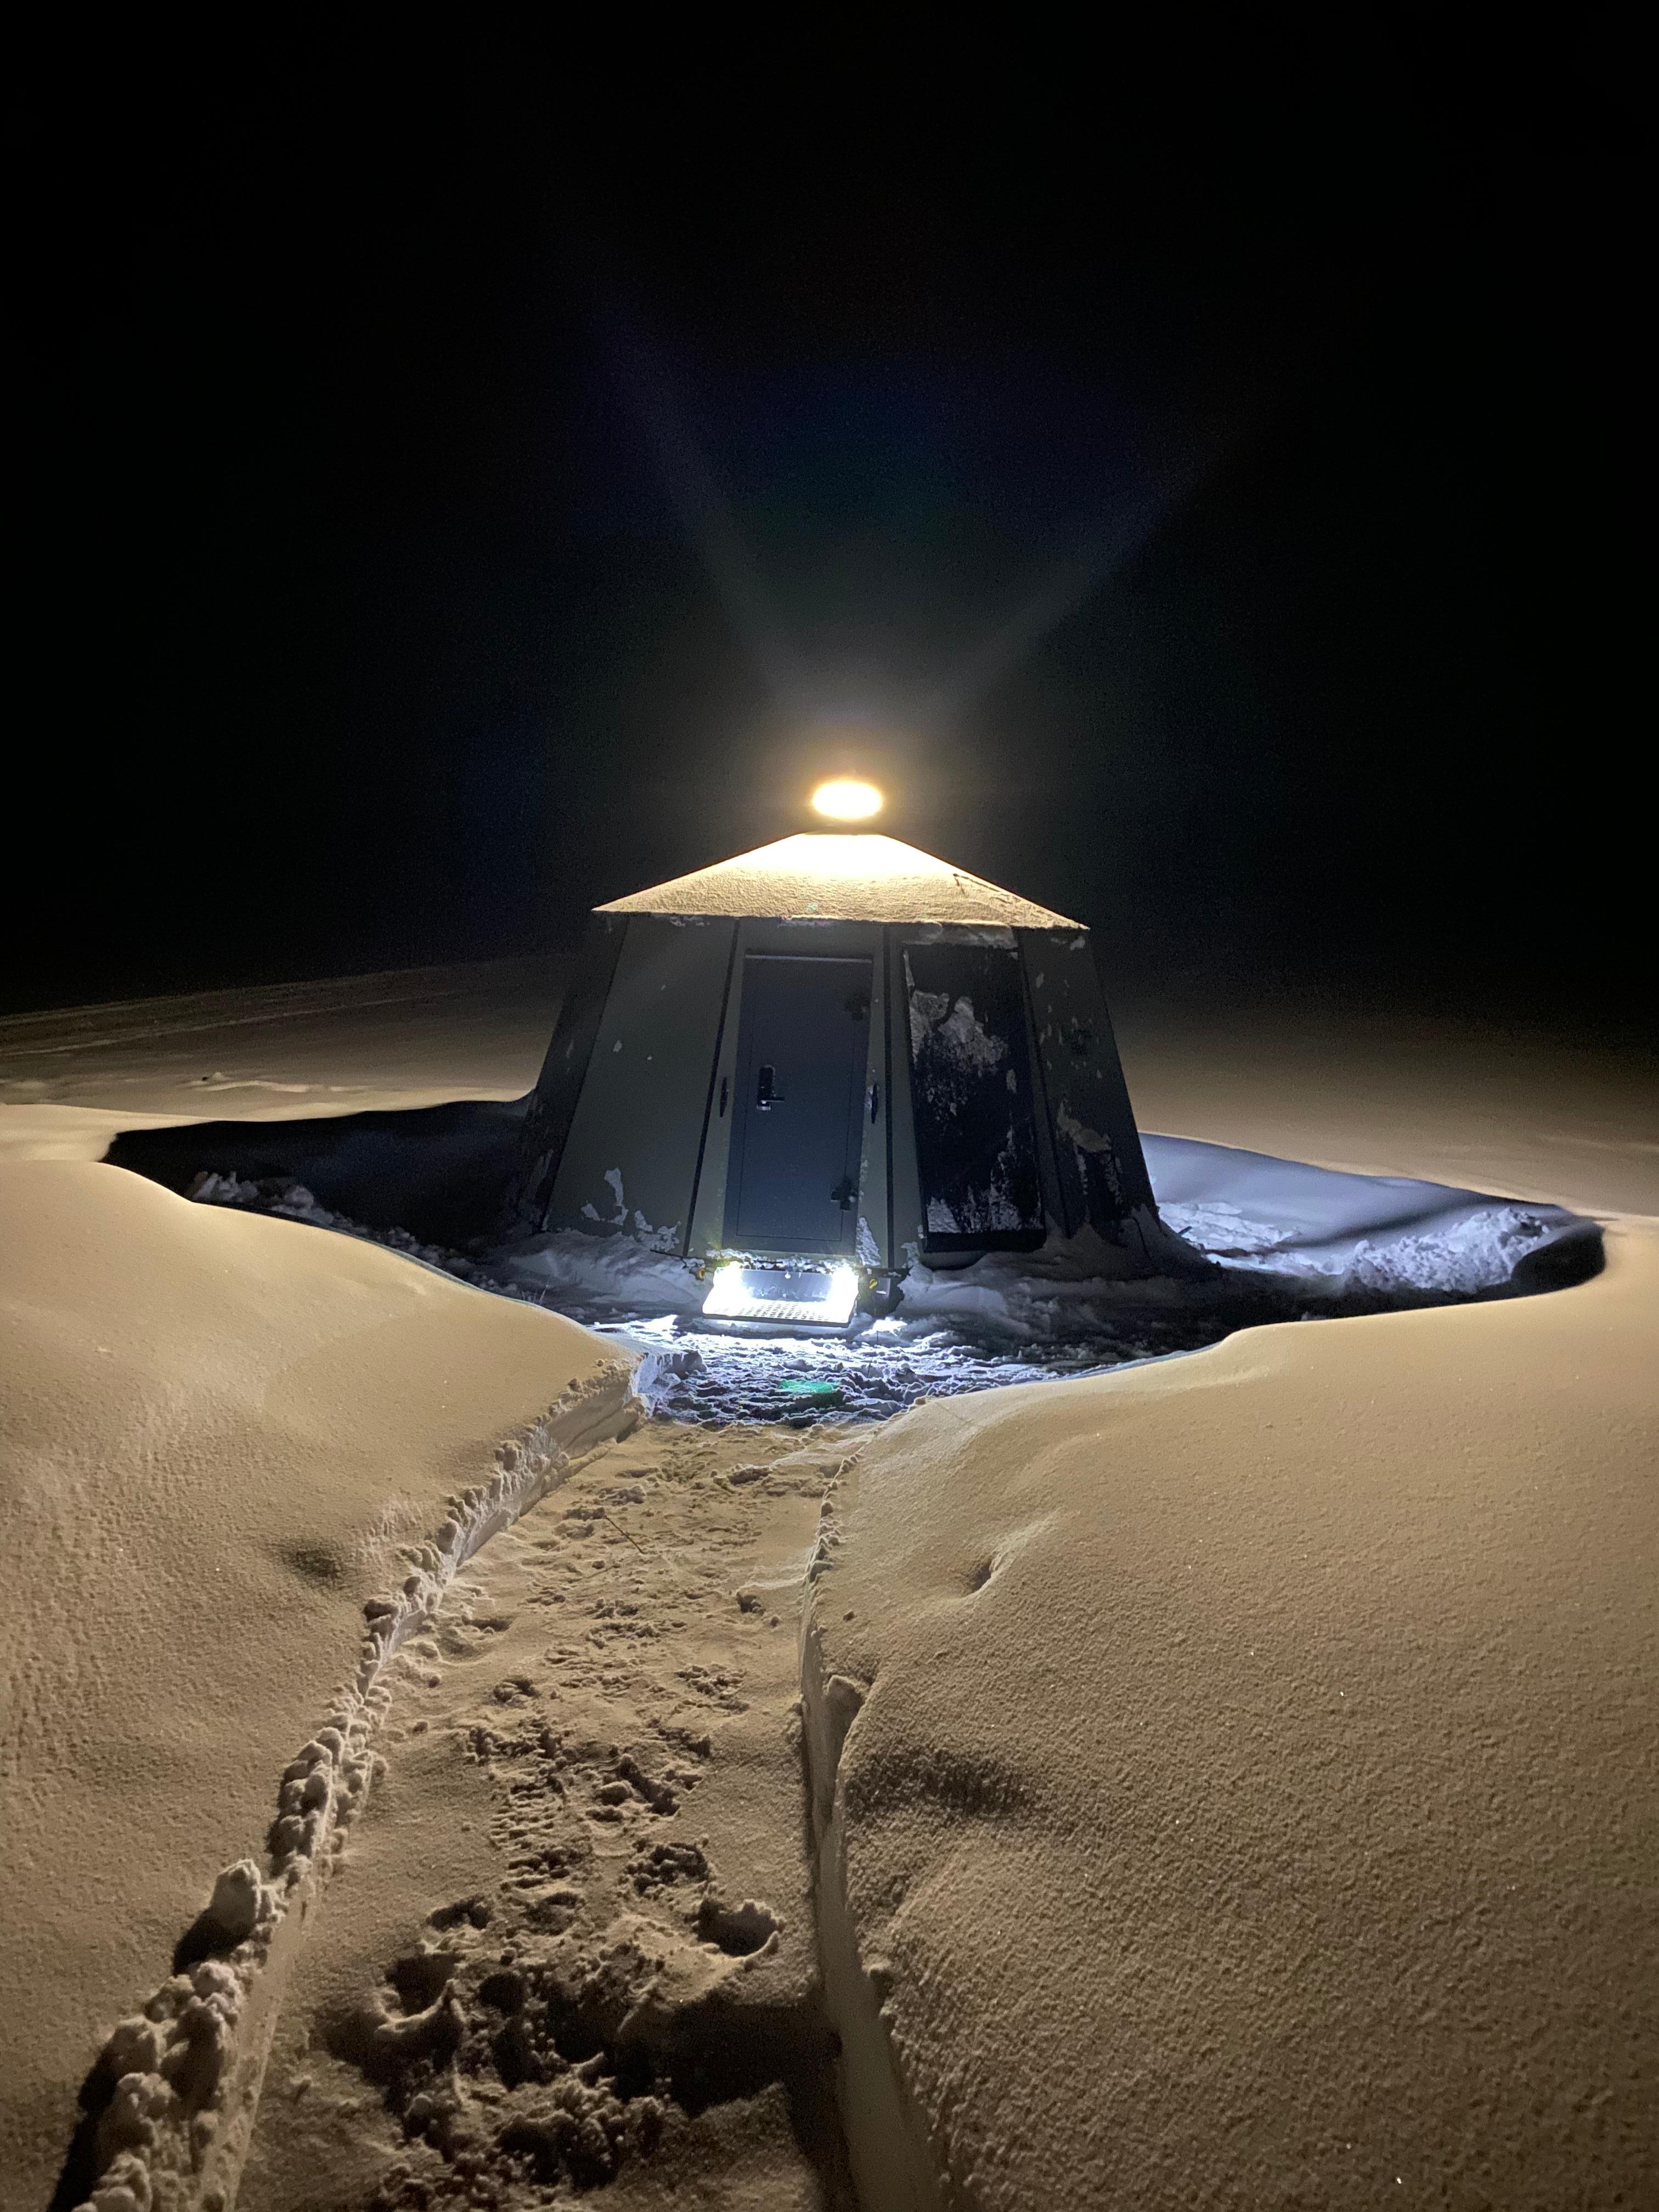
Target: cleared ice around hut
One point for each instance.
(1243, 1238)
(1284, 1240)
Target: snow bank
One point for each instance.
(1332, 1236)
(238, 1464)
(1311, 1233)
(598, 1276)
(1231, 1776)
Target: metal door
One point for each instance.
(802, 1047)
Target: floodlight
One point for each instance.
(845, 799)
(801, 1295)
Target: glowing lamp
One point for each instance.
(844, 798)
(815, 1297)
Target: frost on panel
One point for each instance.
(655, 1239)
(970, 1085)
(1096, 1157)
(953, 1034)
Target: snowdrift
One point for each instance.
(1388, 1239)
(1233, 1778)
(236, 1459)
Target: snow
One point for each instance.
(1334, 1236)
(1309, 1230)
(592, 1767)
(240, 1462)
(596, 1278)
(1230, 1775)
(1283, 1239)
(954, 1031)
(844, 876)
(877, 1369)
(1240, 1239)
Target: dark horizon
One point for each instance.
(1210, 515)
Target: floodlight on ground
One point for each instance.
(845, 799)
(801, 1297)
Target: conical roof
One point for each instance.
(842, 876)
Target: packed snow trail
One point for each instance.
(172, 2095)
(574, 1945)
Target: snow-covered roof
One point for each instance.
(844, 877)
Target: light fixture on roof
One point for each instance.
(845, 799)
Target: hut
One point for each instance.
(810, 1066)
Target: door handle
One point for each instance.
(766, 1095)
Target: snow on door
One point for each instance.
(971, 1100)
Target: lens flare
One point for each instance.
(844, 798)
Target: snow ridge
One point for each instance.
(887, 2139)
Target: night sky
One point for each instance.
(1200, 484)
